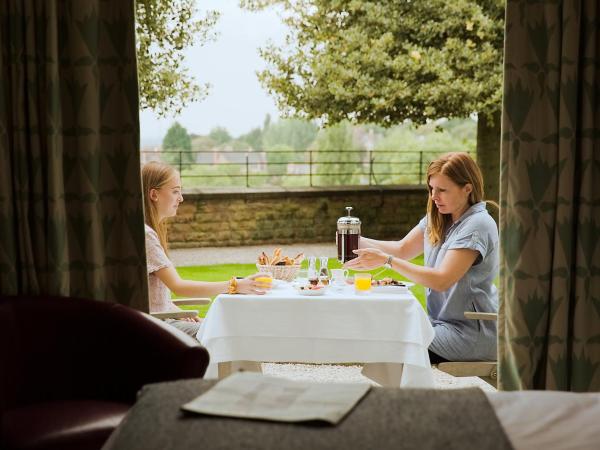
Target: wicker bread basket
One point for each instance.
(285, 273)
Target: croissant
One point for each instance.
(298, 258)
(263, 259)
(276, 256)
(278, 260)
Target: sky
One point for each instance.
(236, 99)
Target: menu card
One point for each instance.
(254, 396)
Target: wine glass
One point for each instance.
(312, 275)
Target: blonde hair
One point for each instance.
(154, 176)
(462, 170)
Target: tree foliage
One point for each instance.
(402, 155)
(278, 157)
(164, 30)
(220, 135)
(294, 133)
(385, 61)
(177, 146)
(336, 156)
(253, 138)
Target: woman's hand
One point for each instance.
(368, 258)
(255, 284)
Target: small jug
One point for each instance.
(338, 276)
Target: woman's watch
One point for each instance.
(388, 262)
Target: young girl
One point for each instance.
(460, 242)
(162, 196)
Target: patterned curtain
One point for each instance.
(549, 321)
(71, 219)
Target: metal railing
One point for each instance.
(310, 167)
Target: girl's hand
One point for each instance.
(255, 284)
(192, 319)
(368, 258)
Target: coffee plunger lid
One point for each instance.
(349, 223)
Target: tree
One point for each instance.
(164, 30)
(220, 135)
(202, 143)
(177, 146)
(397, 157)
(266, 122)
(295, 133)
(278, 157)
(464, 130)
(253, 138)
(336, 156)
(387, 61)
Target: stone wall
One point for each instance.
(288, 216)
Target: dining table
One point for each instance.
(384, 330)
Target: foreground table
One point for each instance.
(389, 333)
(398, 419)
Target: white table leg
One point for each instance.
(386, 374)
(229, 367)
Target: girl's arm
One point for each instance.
(408, 248)
(191, 288)
(453, 267)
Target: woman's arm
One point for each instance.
(408, 248)
(453, 267)
(191, 288)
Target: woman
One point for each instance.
(460, 242)
(162, 196)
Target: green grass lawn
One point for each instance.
(222, 272)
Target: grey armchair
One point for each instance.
(182, 314)
(486, 370)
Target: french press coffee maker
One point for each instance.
(346, 236)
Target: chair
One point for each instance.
(71, 368)
(182, 314)
(486, 370)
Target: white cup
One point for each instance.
(338, 276)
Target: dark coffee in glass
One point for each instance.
(346, 244)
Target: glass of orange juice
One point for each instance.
(265, 280)
(362, 283)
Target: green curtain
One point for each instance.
(549, 321)
(71, 218)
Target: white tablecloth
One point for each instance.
(389, 330)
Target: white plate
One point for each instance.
(389, 289)
(406, 283)
(311, 292)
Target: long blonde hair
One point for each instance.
(462, 170)
(154, 176)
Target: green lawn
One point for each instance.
(222, 272)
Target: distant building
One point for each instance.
(149, 153)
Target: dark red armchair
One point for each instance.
(70, 368)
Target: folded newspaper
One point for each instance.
(255, 396)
